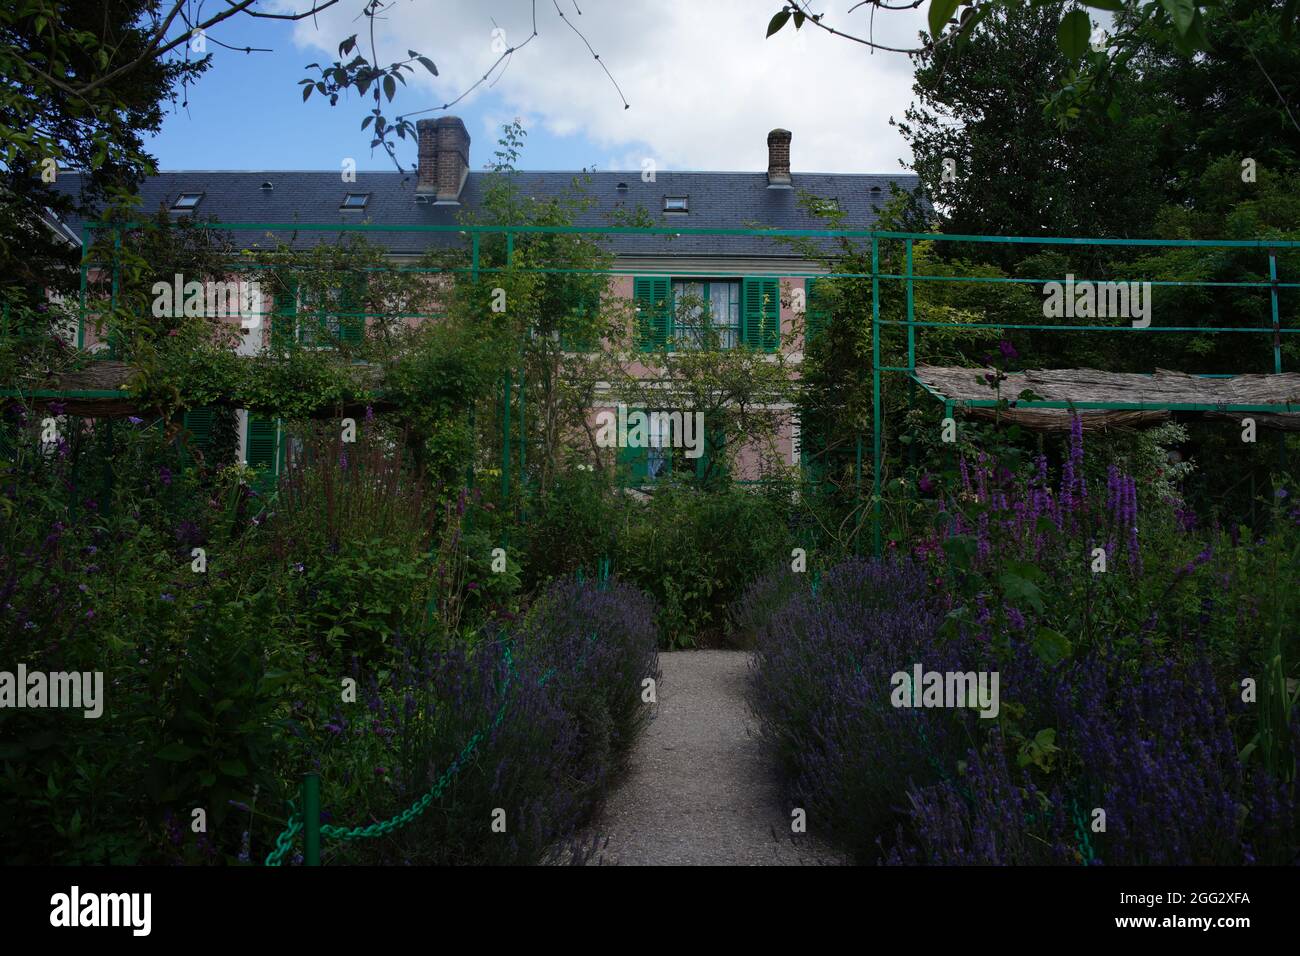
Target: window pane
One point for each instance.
(689, 312)
(724, 308)
(706, 313)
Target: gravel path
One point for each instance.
(700, 789)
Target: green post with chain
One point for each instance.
(311, 819)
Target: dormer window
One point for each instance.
(675, 204)
(355, 201)
(622, 189)
(267, 186)
(186, 202)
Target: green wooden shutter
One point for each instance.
(260, 445)
(715, 441)
(199, 423)
(760, 321)
(812, 459)
(653, 295)
(285, 320)
(816, 315)
(635, 461)
(352, 306)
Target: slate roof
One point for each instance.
(728, 200)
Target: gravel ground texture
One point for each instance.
(701, 788)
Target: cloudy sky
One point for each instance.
(703, 84)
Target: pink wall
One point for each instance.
(746, 460)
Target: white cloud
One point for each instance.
(704, 85)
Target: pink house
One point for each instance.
(752, 287)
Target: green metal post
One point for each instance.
(311, 819)
(911, 329)
(1277, 324)
(510, 247)
(117, 249)
(505, 442)
(875, 395)
(911, 344)
(522, 462)
(474, 262)
(857, 489)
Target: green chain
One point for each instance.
(284, 842)
(420, 805)
(550, 671)
(1084, 848)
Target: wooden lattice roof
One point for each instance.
(1129, 398)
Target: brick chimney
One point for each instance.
(778, 159)
(443, 159)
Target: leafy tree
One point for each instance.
(1092, 64)
(68, 100)
(994, 163)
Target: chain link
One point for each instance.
(284, 842)
(421, 804)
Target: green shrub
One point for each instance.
(696, 551)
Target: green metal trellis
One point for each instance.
(911, 323)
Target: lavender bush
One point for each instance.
(821, 691)
(1152, 747)
(568, 696)
(1122, 631)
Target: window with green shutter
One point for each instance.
(633, 461)
(284, 323)
(338, 314)
(351, 320)
(812, 455)
(817, 314)
(712, 463)
(760, 325)
(654, 308)
(262, 447)
(199, 422)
